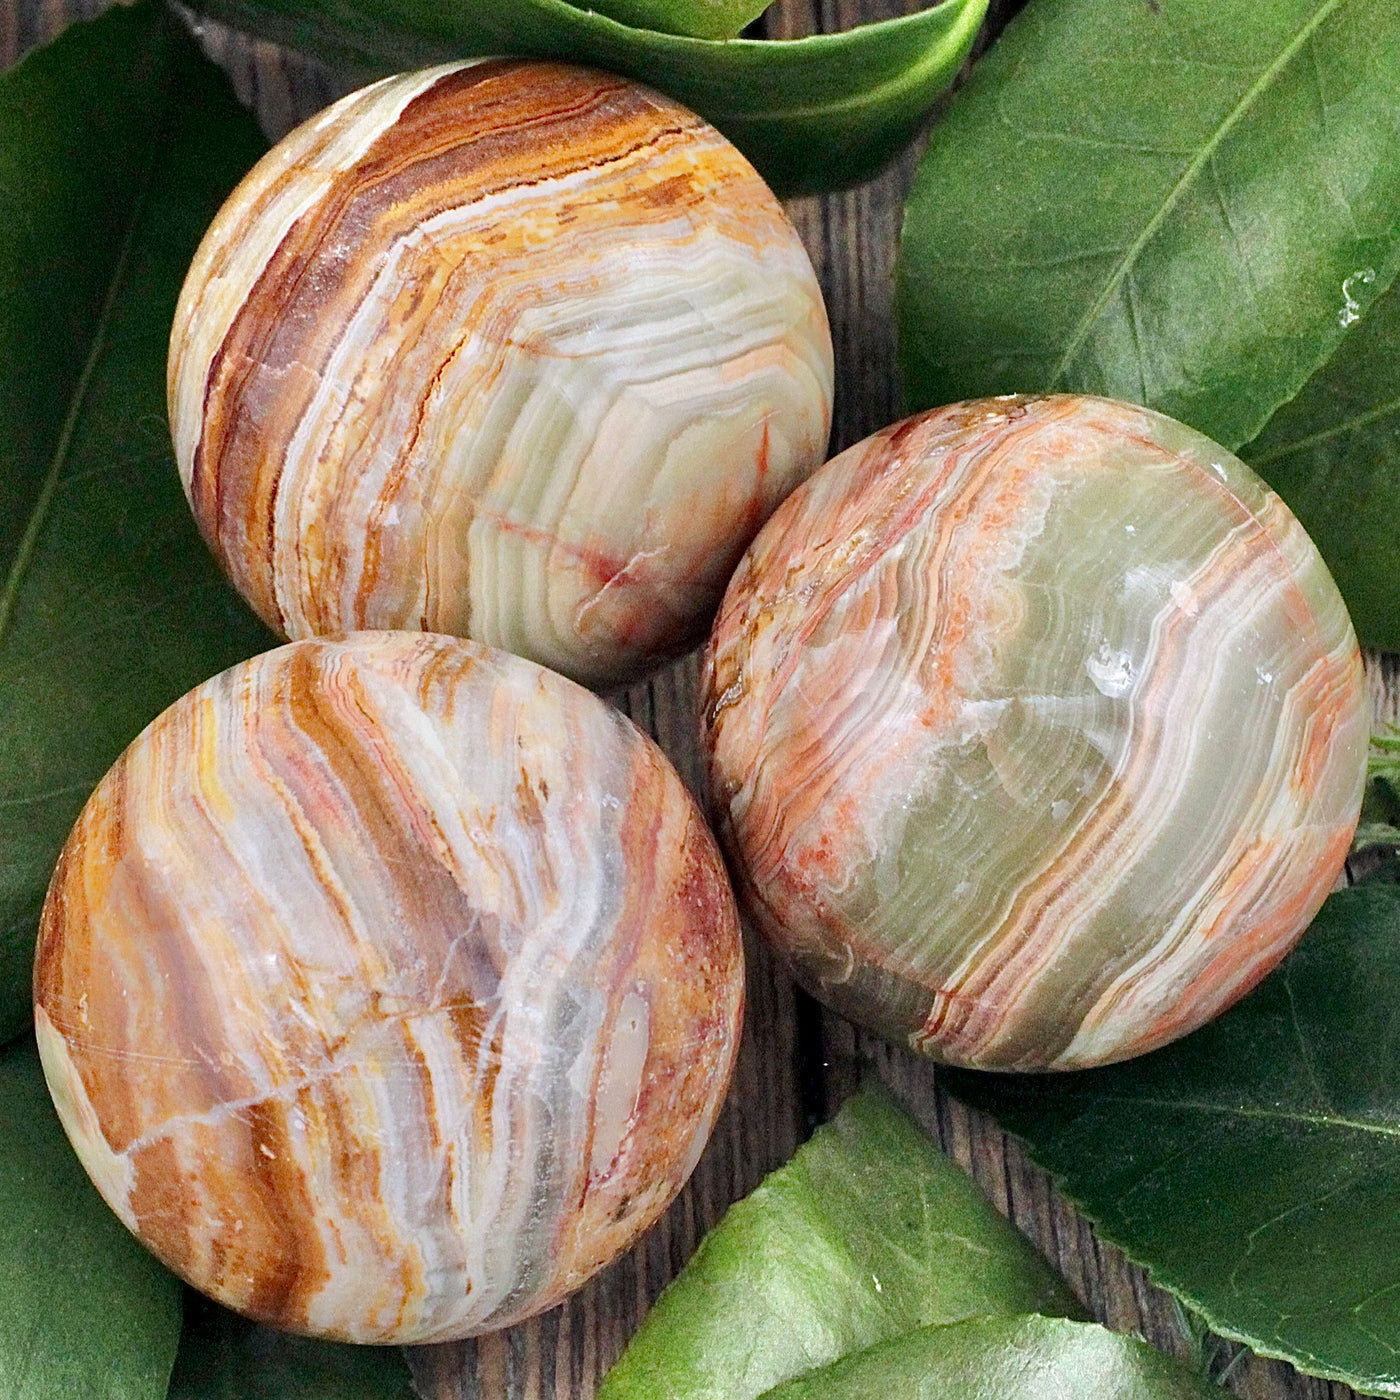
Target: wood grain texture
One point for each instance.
(797, 1063)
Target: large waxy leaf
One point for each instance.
(1254, 1167)
(1004, 1358)
(867, 1233)
(1334, 455)
(84, 1310)
(812, 114)
(117, 143)
(1192, 204)
(706, 19)
(225, 1357)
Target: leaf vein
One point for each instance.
(1322, 1120)
(1184, 183)
(43, 505)
(1359, 420)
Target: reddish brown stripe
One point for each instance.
(326, 1012)
(467, 138)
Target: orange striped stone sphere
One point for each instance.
(504, 349)
(389, 986)
(1037, 731)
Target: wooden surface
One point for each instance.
(797, 1061)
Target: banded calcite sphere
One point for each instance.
(1037, 731)
(388, 987)
(504, 349)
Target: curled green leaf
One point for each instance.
(812, 114)
(705, 19)
(1254, 1166)
(1193, 205)
(117, 143)
(1004, 1358)
(867, 1233)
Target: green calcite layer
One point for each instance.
(1038, 729)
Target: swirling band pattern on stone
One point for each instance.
(388, 987)
(1019, 707)
(509, 350)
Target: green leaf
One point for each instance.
(867, 1233)
(1372, 836)
(117, 144)
(226, 1357)
(1192, 204)
(1004, 1358)
(811, 114)
(706, 19)
(84, 1310)
(1384, 761)
(1333, 454)
(1254, 1167)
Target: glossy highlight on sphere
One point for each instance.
(389, 987)
(1037, 731)
(505, 349)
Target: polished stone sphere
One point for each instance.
(1037, 731)
(388, 987)
(505, 349)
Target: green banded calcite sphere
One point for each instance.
(1036, 730)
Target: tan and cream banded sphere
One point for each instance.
(505, 349)
(389, 986)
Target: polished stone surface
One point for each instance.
(388, 987)
(1037, 731)
(504, 349)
